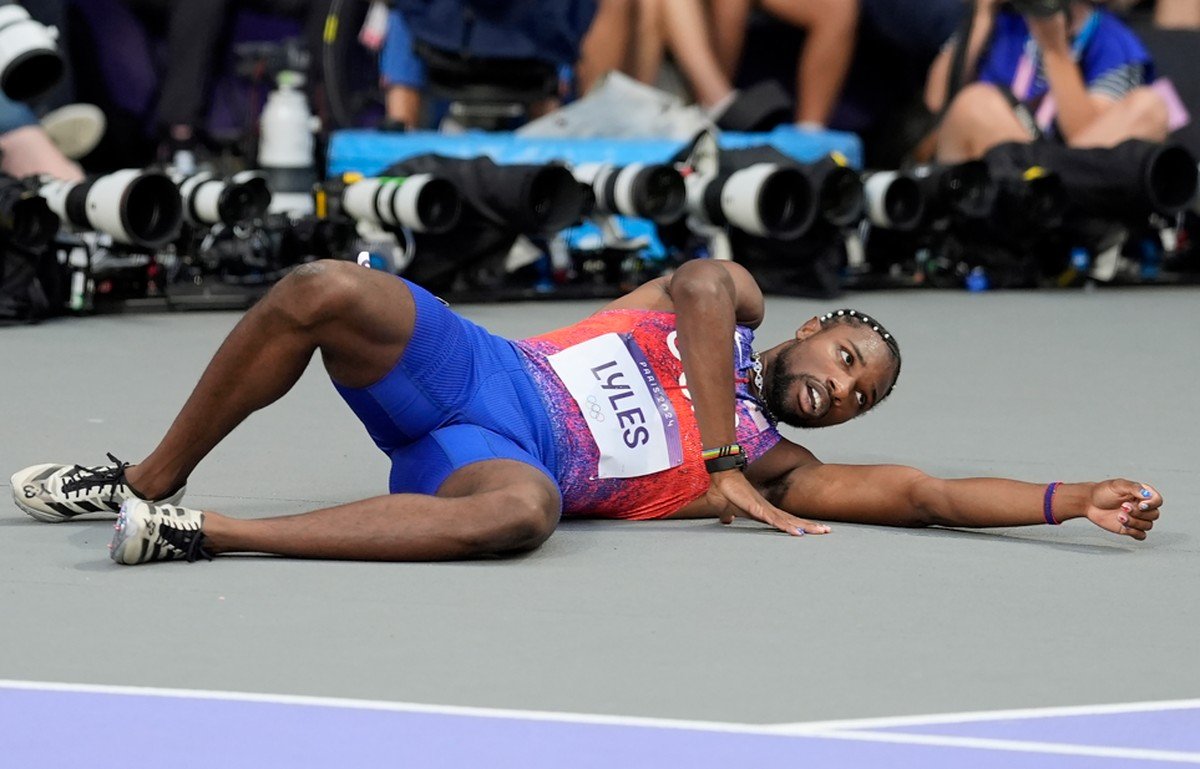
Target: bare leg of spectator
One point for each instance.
(831, 27)
(729, 32)
(649, 42)
(28, 151)
(682, 26)
(1142, 114)
(402, 104)
(979, 118)
(606, 46)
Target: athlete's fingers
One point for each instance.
(786, 522)
(1148, 497)
(1138, 493)
(1132, 533)
(1129, 522)
(1151, 514)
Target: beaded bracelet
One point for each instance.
(1048, 502)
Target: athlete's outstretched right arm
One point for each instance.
(894, 495)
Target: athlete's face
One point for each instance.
(826, 376)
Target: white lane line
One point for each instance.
(396, 707)
(1018, 746)
(933, 719)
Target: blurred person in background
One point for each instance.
(473, 34)
(1168, 14)
(73, 128)
(26, 149)
(196, 34)
(830, 28)
(1177, 14)
(1081, 78)
(402, 74)
(634, 36)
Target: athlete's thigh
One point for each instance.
(460, 460)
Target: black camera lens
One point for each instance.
(26, 220)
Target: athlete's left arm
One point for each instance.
(746, 298)
(894, 495)
(708, 298)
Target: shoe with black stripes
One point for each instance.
(145, 532)
(56, 493)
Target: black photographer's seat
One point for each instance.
(486, 92)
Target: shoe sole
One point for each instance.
(42, 515)
(125, 533)
(76, 129)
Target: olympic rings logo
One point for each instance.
(595, 410)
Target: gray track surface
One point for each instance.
(669, 619)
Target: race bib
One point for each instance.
(626, 408)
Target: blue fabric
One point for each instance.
(369, 152)
(549, 30)
(458, 395)
(14, 115)
(398, 64)
(1111, 47)
(919, 29)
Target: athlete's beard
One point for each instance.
(776, 391)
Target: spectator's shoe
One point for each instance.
(56, 493)
(760, 107)
(75, 129)
(146, 532)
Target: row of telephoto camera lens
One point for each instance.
(1023, 215)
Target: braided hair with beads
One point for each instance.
(854, 317)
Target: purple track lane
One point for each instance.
(61, 725)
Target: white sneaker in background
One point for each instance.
(75, 129)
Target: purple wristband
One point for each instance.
(1048, 502)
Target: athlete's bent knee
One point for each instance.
(527, 515)
(318, 292)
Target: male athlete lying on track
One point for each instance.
(654, 407)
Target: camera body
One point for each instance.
(1040, 8)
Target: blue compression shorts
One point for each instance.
(458, 395)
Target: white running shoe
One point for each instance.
(56, 493)
(75, 129)
(146, 532)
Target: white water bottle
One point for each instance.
(286, 145)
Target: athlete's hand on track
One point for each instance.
(1124, 507)
(733, 495)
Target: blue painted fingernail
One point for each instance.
(1144, 506)
(800, 532)
(1146, 493)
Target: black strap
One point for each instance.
(727, 462)
(958, 63)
